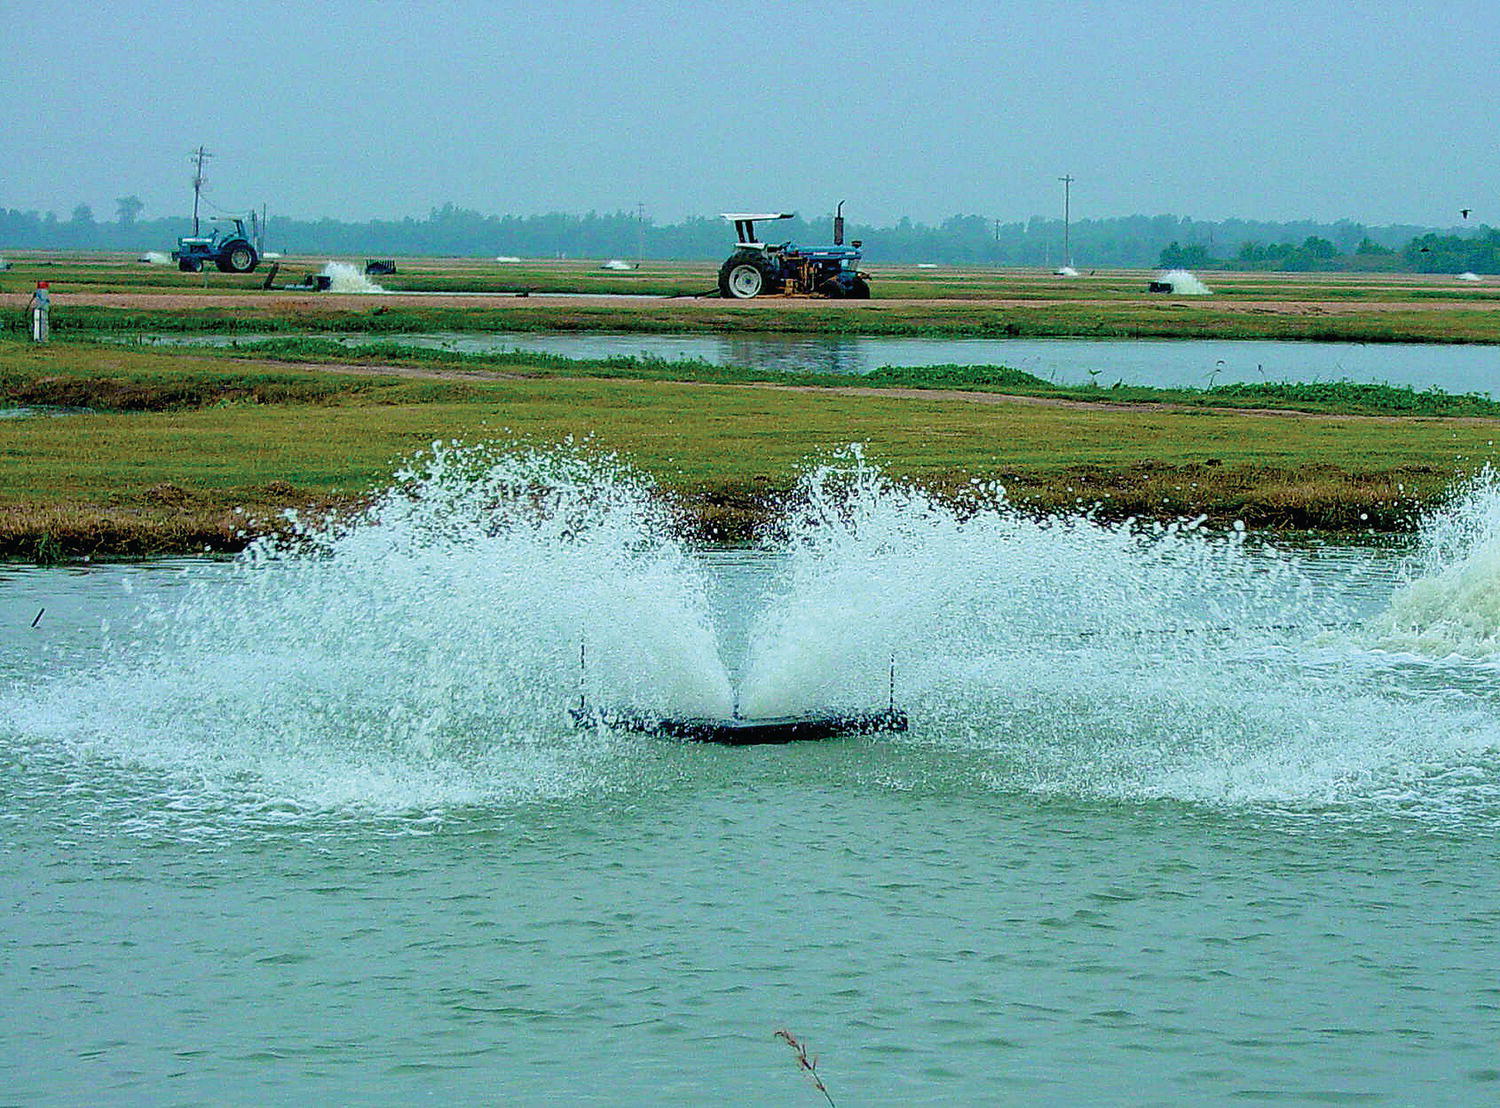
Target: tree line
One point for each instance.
(1430, 252)
(1130, 241)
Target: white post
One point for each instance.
(41, 311)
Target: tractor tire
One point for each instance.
(859, 289)
(238, 257)
(745, 275)
(190, 265)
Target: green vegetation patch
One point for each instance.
(183, 440)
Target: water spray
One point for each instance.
(1183, 283)
(1054, 656)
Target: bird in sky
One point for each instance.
(1465, 212)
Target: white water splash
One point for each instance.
(154, 257)
(344, 277)
(1185, 283)
(423, 654)
(1064, 656)
(1451, 605)
(1467, 276)
(1067, 271)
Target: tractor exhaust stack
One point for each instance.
(838, 225)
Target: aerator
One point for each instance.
(737, 730)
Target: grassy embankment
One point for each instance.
(121, 273)
(935, 319)
(946, 302)
(179, 441)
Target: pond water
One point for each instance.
(37, 411)
(1195, 362)
(1182, 816)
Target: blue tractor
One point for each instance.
(226, 246)
(757, 268)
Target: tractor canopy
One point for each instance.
(744, 224)
(222, 229)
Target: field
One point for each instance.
(182, 451)
(115, 293)
(186, 450)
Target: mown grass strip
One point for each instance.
(1462, 322)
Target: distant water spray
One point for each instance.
(1067, 271)
(1184, 283)
(344, 277)
(1467, 276)
(154, 257)
(1451, 605)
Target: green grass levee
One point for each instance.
(187, 450)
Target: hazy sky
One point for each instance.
(1381, 112)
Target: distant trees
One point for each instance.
(1136, 241)
(1314, 253)
(1192, 256)
(1430, 252)
(1434, 253)
(128, 209)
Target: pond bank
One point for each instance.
(167, 519)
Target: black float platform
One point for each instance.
(735, 731)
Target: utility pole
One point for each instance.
(197, 158)
(1067, 184)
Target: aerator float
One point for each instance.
(737, 730)
(763, 269)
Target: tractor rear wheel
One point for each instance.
(237, 257)
(745, 275)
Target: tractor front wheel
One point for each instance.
(859, 289)
(743, 276)
(190, 265)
